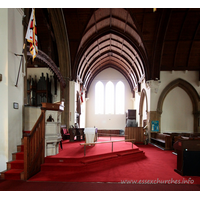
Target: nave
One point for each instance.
(148, 164)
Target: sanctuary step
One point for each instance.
(72, 166)
(60, 166)
(118, 157)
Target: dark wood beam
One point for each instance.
(159, 42)
(192, 42)
(178, 40)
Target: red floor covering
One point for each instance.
(157, 168)
(75, 150)
(9, 185)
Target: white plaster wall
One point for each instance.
(77, 89)
(177, 112)
(177, 107)
(168, 76)
(72, 102)
(83, 113)
(15, 94)
(107, 121)
(11, 40)
(136, 101)
(74, 88)
(144, 113)
(4, 88)
(31, 115)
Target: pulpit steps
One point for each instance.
(15, 168)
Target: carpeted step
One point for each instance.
(13, 174)
(16, 164)
(129, 152)
(61, 166)
(15, 167)
(120, 158)
(133, 156)
(89, 165)
(51, 159)
(98, 158)
(20, 156)
(91, 159)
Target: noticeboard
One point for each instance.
(155, 126)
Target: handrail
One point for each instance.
(34, 146)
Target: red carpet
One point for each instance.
(75, 150)
(8, 185)
(156, 167)
(16, 166)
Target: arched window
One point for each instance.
(99, 98)
(109, 98)
(120, 98)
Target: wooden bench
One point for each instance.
(162, 140)
(111, 141)
(187, 136)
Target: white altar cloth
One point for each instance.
(89, 134)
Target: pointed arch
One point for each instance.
(192, 93)
(187, 87)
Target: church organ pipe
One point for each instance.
(39, 92)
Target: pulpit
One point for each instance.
(188, 153)
(52, 127)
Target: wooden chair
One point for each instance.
(64, 133)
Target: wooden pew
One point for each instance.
(162, 140)
(111, 141)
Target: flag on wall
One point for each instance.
(31, 35)
(81, 95)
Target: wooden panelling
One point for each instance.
(136, 133)
(109, 132)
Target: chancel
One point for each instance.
(103, 95)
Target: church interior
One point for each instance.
(111, 92)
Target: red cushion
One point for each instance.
(65, 131)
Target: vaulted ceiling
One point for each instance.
(137, 42)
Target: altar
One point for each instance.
(90, 135)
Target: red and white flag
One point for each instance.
(31, 35)
(81, 95)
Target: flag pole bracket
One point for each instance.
(18, 54)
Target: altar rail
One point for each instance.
(34, 144)
(111, 141)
